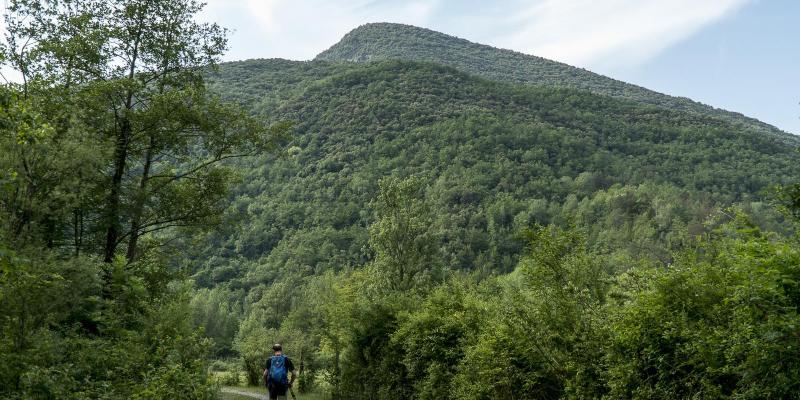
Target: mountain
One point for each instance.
(495, 157)
(403, 163)
(384, 41)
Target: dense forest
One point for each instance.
(385, 41)
(411, 215)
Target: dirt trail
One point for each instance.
(245, 393)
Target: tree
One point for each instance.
(436, 336)
(109, 143)
(47, 175)
(131, 75)
(720, 323)
(539, 337)
(406, 248)
(788, 197)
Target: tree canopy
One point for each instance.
(110, 148)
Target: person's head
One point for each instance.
(277, 348)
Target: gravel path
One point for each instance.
(245, 393)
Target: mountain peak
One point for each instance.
(385, 41)
(382, 40)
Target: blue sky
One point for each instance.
(741, 55)
(748, 62)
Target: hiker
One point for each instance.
(276, 373)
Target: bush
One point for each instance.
(720, 323)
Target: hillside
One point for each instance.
(496, 156)
(402, 228)
(384, 41)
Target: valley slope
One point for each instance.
(496, 157)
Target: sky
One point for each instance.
(740, 55)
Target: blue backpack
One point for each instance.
(277, 370)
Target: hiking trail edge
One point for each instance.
(245, 393)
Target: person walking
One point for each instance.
(276, 373)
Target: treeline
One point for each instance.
(110, 149)
(426, 233)
(497, 158)
(718, 320)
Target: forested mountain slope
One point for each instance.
(383, 41)
(460, 233)
(497, 157)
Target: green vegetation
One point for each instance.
(385, 41)
(328, 246)
(493, 158)
(229, 394)
(110, 148)
(428, 224)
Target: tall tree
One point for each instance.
(406, 247)
(133, 73)
(788, 197)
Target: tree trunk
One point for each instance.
(77, 230)
(120, 159)
(136, 220)
(124, 136)
(302, 378)
(112, 214)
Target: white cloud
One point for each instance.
(296, 29)
(611, 32)
(590, 33)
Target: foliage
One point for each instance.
(720, 323)
(219, 312)
(537, 338)
(64, 337)
(110, 141)
(493, 159)
(788, 199)
(427, 233)
(434, 337)
(405, 248)
(126, 78)
(394, 156)
(387, 41)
